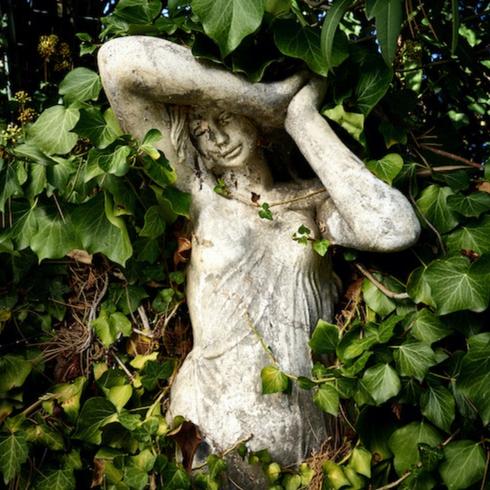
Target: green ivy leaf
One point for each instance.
(472, 205)
(321, 247)
(414, 358)
(98, 127)
(9, 186)
(153, 372)
(427, 327)
(96, 412)
(277, 7)
(474, 378)
(353, 123)
(13, 454)
(404, 443)
(473, 236)
(176, 477)
(329, 29)
(326, 398)
(297, 41)
(79, 85)
(95, 225)
(387, 168)
(15, 370)
(438, 405)
(52, 130)
(388, 15)
(63, 479)
(382, 382)
(464, 465)
(325, 338)
(273, 380)
(433, 205)
(55, 236)
(154, 225)
(376, 300)
(457, 284)
(227, 22)
(373, 84)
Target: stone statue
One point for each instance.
(249, 285)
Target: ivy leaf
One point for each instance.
(464, 465)
(414, 358)
(52, 130)
(96, 412)
(227, 22)
(154, 225)
(387, 168)
(321, 247)
(325, 338)
(382, 382)
(427, 327)
(57, 480)
(457, 284)
(98, 127)
(373, 84)
(13, 453)
(376, 300)
(175, 477)
(404, 443)
(418, 288)
(79, 85)
(15, 370)
(474, 378)
(55, 236)
(388, 16)
(114, 162)
(326, 398)
(98, 233)
(433, 205)
(297, 41)
(438, 405)
(472, 205)
(471, 237)
(9, 186)
(353, 123)
(273, 380)
(153, 372)
(329, 29)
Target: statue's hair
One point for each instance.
(176, 116)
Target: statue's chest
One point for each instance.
(228, 233)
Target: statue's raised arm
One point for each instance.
(364, 212)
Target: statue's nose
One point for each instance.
(221, 137)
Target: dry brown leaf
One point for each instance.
(484, 187)
(80, 256)
(182, 254)
(188, 438)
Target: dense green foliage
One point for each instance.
(93, 242)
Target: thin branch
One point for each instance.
(379, 285)
(296, 199)
(442, 169)
(395, 483)
(451, 156)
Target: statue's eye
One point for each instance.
(199, 127)
(224, 118)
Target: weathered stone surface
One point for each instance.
(249, 284)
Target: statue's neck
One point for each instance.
(254, 177)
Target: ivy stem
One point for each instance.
(37, 404)
(395, 483)
(485, 473)
(379, 285)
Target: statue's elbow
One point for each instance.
(401, 233)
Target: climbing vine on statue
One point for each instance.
(93, 246)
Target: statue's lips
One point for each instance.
(233, 152)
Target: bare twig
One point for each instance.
(451, 156)
(485, 473)
(395, 483)
(442, 169)
(379, 285)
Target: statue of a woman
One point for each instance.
(249, 285)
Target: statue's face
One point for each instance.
(223, 139)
